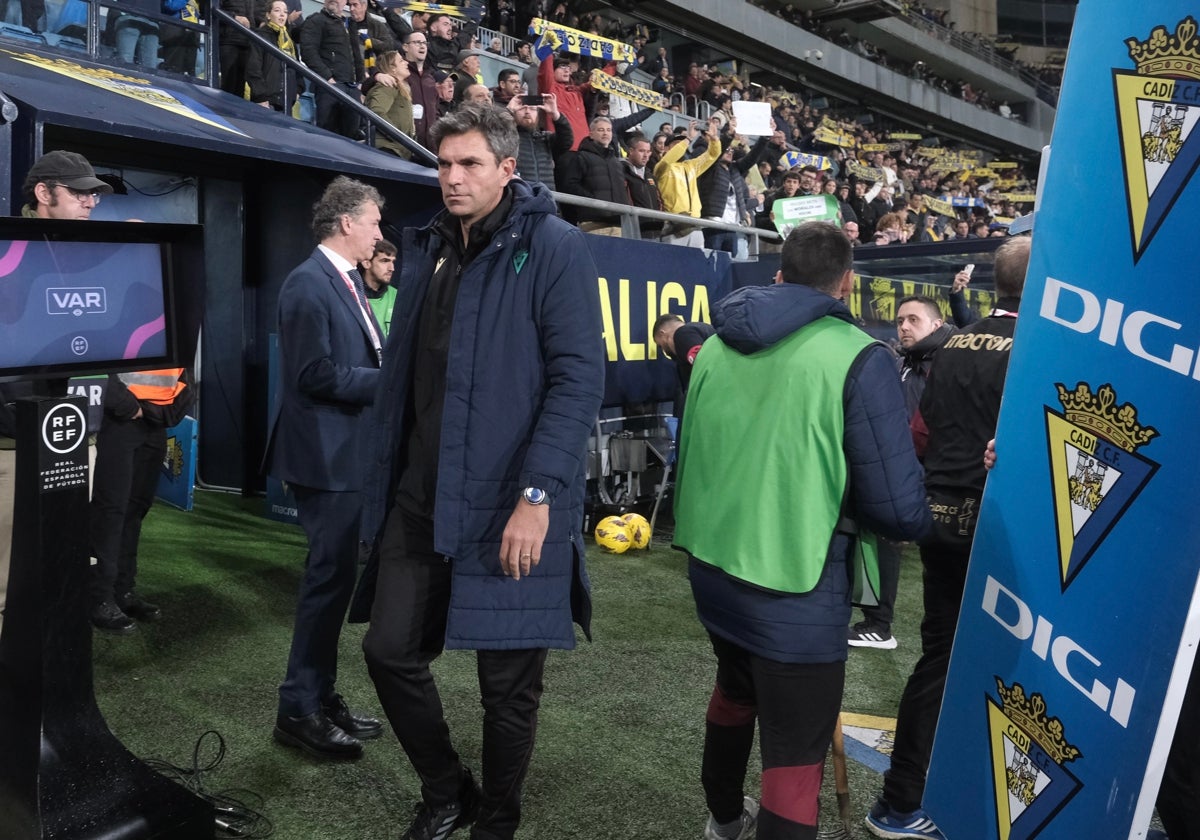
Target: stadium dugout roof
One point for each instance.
(56, 90)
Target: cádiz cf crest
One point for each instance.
(1095, 469)
(1029, 754)
(1158, 106)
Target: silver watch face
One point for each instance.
(534, 495)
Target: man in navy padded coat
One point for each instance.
(491, 381)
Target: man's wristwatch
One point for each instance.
(535, 496)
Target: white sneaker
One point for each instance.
(749, 821)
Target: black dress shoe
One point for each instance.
(359, 726)
(108, 617)
(317, 735)
(134, 606)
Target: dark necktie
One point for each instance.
(359, 291)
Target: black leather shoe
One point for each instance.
(317, 735)
(108, 617)
(133, 606)
(359, 726)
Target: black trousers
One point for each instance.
(945, 575)
(889, 584)
(129, 455)
(233, 59)
(335, 116)
(330, 521)
(796, 707)
(407, 632)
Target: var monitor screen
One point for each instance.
(91, 297)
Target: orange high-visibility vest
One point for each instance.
(160, 387)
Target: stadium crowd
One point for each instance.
(413, 69)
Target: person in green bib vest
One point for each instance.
(377, 283)
(795, 445)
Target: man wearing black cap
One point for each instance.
(61, 185)
(466, 73)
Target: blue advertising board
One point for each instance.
(177, 478)
(1080, 620)
(639, 281)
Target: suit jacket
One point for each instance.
(328, 369)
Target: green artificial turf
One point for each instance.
(621, 726)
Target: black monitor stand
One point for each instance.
(63, 774)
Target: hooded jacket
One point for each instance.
(524, 381)
(767, 337)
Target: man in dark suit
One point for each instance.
(329, 350)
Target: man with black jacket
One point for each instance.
(327, 48)
(595, 171)
(539, 151)
(921, 331)
(235, 45)
(956, 419)
(639, 180)
(720, 198)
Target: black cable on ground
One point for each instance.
(238, 811)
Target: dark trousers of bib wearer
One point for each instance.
(945, 576)
(796, 707)
(881, 614)
(129, 455)
(331, 522)
(408, 631)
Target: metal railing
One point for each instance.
(420, 153)
(630, 229)
(984, 52)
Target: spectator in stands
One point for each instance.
(538, 151)
(663, 84)
(594, 171)
(329, 51)
(180, 47)
(494, 47)
(789, 189)
(423, 84)
(445, 89)
(234, 52)
(554, 76)
(466, 73)
(808, 181)
(272, 82)
(523, 53)
(639, 180)
(962, 230)
(890, 230)
(658, 147)
(399, 27)
(443, 51)
(979, 230)
(374, 36)
(678, 182)
(508, 85)
(393, 102)
(477, 95)
(842, 192)
(851, 231)
(722, 195)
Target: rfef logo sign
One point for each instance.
(63, 428)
